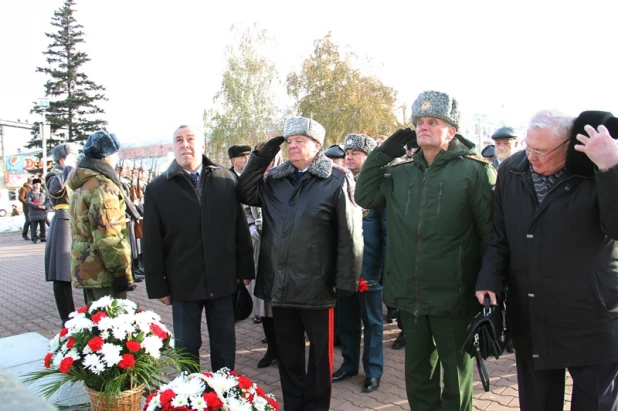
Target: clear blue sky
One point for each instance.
(161, 62)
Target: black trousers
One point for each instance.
(304, 388)
(33, 232)
(24, 231)
(595, 387)
(63, 293)
(187, 317)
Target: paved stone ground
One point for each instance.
(28, 306)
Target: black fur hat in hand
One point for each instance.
(578, 162)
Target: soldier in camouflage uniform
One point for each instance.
(101, 253)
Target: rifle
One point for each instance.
(139, 188)
(151, 171)
(138, 223)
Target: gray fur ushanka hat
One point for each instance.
(436, 104)
(63, 150)
(359, 142)
(302, 126)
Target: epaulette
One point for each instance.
(477, 158)
(340, 169)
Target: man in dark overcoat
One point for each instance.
(555, 245)
(310, 252)
(196, 247)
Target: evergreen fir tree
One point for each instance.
(73, 113)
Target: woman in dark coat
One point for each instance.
(58, 248)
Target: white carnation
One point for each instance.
(111, 354)
(122, 325)
(128, 305)
(152, 345)
(103, 302)
(105, 323)
(75, 325)
(144, 319)
(93, 362)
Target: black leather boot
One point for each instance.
(271, 351)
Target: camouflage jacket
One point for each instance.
(101, 248)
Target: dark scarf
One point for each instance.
(544, 184)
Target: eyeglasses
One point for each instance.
(543, 154)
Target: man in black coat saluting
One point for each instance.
(196, 247)
(311, 251)
(555, 245)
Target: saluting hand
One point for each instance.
(394, 145)
(271, 148)
(600, 147)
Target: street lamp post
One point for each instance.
(44, 102)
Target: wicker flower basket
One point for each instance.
(127, 401)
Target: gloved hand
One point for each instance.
(120, 284)
(394, 145)
(344, 293)
(271, 148)
(255, 233)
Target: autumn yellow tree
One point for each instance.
(332, 91)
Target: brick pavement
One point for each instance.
(28, 306)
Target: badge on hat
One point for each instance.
(426, 104)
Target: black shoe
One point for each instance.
(267, 360)
(341, 375)
(131, 287)
(391, 314)
(371, 384)
(264, 340)
(138, 278)
(399, 342)
(510, 348)
(257, 319)
(34, 240)
(25, 237)
(43, 240)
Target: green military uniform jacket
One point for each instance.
(439, 220)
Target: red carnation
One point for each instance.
(244, 383)
(64, 332)
(70, 342)
(96, 343)
(158, 331)
(212, 400)
(133, 346)
(362, 285)
(83, 309)
(273, 403)
(167, 396)
(98, 316)
(65, 364)
(48, 358)
(234, 373)
(127, 361)
(260, 392)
